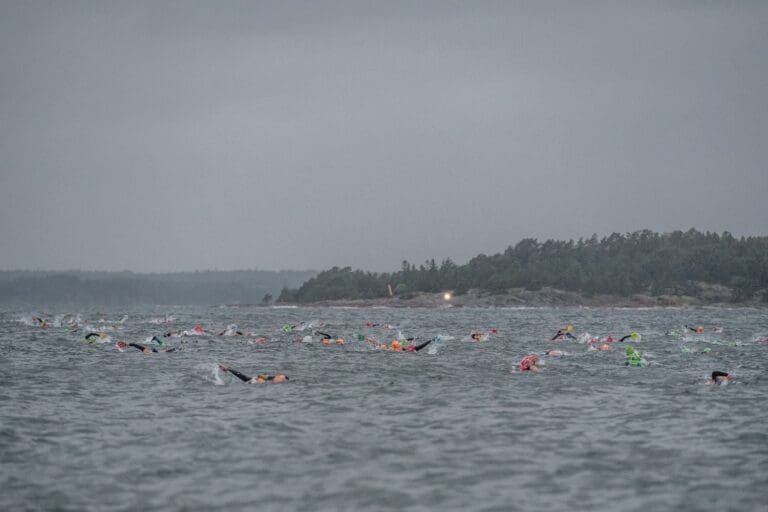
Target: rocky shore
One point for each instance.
(546, 297)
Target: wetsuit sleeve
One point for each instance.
(559, 333)
(625, 337)
(419, 347)
(237, 374)
(136, 345)
(324, 335)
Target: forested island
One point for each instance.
(128, 288)
(639, 268)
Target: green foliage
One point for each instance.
(677, 263)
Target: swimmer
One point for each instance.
(40, 322)
(528, 363)
(91, 337)
(553, 353)
(397, 346)
(633, 335)
(416, 348)
(698, 329)
(231, 331)
(143, 348)
(259, 379)
(197, 331)
(634, 358)
(720, 377)
(562, 334)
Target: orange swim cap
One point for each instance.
(604, 347)
(396, 345)
(326, 341)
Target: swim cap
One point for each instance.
(527, 362)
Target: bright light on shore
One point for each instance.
(447, 296)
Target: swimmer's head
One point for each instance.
(718, 377)
(699, 329)
(279, 378)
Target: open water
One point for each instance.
(453, 427)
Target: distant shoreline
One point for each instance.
(546, 297)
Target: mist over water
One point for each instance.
(86, 427)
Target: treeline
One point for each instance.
(128, 288)
(643, 262)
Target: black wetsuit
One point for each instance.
(324, 335)
(246, 378)
(237, 374)
(419, 347)
(145, 349)
(625, 337)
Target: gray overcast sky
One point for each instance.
(184, 135)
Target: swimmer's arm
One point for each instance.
(419, 347)
(236, 373)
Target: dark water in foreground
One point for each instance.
(86, 427)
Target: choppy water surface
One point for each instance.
(86, 427)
